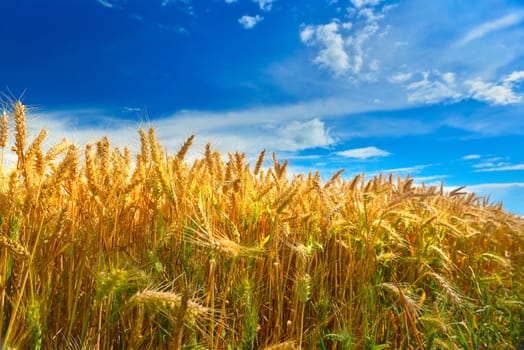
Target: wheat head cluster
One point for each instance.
(102, 249)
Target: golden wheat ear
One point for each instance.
(4, 135)
(185, 147)
(20, 128)
(259, 163)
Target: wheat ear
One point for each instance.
(20, 133)
(4, 135)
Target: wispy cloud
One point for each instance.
(494, 164)
(105, 3)
(174, 28)
(491, 163)
(400, 77)
(486, 28)
(290, 128)
(495, 167)
(489, 123)
(491, 186)
(437, 87)
(123, 6)
(133, 109)
(514, 77)
(440, 88)
(271, 114)
(412, 171)
(249, 22)
(265, 5)
(357, 43)
(183, 5)
(364, 153)
(362, 3)
(471, 157)
(284, 137)
(407, 170)
(430, 179)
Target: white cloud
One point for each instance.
(79, 126)
(430, 179)
(287, 127)
(132, 109)
(105, 3)
(277, 128)
(449, 78)
(488, 167)
(400, 77)
(411, 171)
(357, 43)
(441, 87)
(436, 87)
(407, 170)
(175, 29)
(231, 1)
(514, 77)
(374, 65)
(364, 153)
(185, 5)
(471, 157)
(492, 162)
(307, 34)
(501, 93)
(489, 122)
(486, 28)
(343, 45)
(332, 54)
(484, 165)
(370, 15)
(491, 186)
(301, 135)
(265, 5)
(249, 22)
(362, 3)
(497, 94)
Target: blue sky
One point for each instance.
(434, 89)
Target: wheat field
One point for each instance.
(102, 249)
